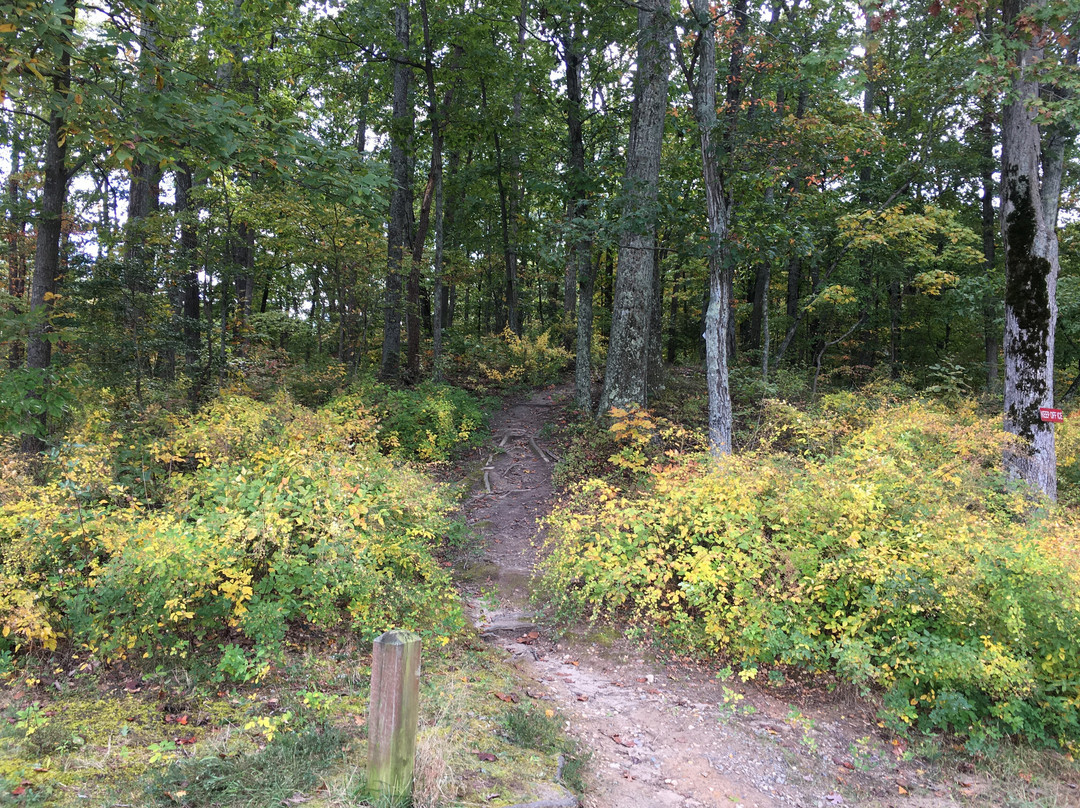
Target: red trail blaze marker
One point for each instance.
(1051, 416)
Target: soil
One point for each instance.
(661, 731)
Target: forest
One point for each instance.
(805, 274)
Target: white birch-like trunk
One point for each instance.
(718, 207)
(1029, 235)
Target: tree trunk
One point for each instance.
(49, 226)
(517, 193)
(654, 373)
(400, 201)
(1031, 272)
(189, 281)
(991, 337)
(16, 232)
(625, 380)
(896, 303)
(794, 282)
(718, 311)
(867, 352)
(570, 284)
(581, 246)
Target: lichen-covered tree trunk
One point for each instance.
(400, 201)
(1031, 272)
(626, 379)
(719, 211)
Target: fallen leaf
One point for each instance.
(186, 741)
(570, 662)
(182, 720)
(512, 698)
(18, 791)
(486, 756)
(901, 790)
(618, 739)
(582, 697)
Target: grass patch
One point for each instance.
(290, 764)
(124, 735)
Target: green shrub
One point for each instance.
(270, 516)
(902, 561)
(428, 422)
(1068, 456)
(507, 361)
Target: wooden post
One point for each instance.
(392, 718)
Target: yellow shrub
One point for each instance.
(903, 560)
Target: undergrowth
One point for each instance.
(506, 362)
(289, 764)
(873, 539)
(213, 533)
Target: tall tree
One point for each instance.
(50, 217)
(16, 229)
(1032, 162)
(715, 141)
(400, 196)
(635, 297)
(581, 241)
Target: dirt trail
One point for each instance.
(666, 734)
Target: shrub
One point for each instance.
(428, 422)
(508, 361)
(902, 561)
(270, 516)
(1068, 455)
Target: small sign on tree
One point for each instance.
(1051, 415)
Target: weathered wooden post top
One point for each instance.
(392, 718)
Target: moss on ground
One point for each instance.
(114, 736)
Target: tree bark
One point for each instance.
(991, 336)
(654, 373)
(719, 203)
(49, 226)
(581, 245)
(189, 281)
(1031, 272)
(517, 193)
(626, 378)
(16, 261)
(400, 200)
